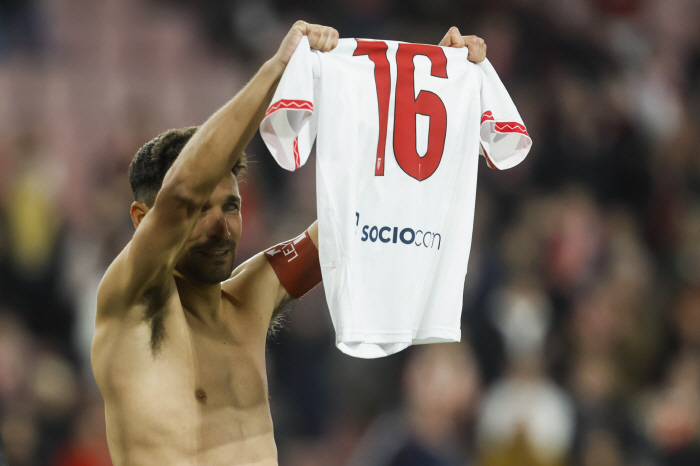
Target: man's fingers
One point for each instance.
(330, 39)
(301, 26)
(453, 38)
(456, 37)
(476, 45)
(321, 37)
(477, 48)
(445, 42)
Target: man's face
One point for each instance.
(211, 249)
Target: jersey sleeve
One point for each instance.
(503, 136)
(289, 128)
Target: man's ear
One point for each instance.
(138, 211)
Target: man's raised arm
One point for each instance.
(214, 149)
(164, 226)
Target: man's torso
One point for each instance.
(196, 396)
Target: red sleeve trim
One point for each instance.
(511, 127)
(486, 116)
(504, 127)
(297, 160)
(293, 104)
(296, 265)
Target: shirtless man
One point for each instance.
(179, 345)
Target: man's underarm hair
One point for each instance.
(278, 320)
(150, 164)
(296, 265)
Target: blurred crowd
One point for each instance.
(581, 319)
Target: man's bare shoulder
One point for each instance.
(254, 286)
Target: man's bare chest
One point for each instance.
(226, 370)
(203, 365)
(203, 392)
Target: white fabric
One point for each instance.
(400, 283)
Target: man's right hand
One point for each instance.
(320, 38)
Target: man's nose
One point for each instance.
(220, 227)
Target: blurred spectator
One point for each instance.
(33, 225)
(16, 344)
(441, 388)
(686, 318)
(3, 458)
(88, 447)
(20, 26)
(672, 418)
(525, 417)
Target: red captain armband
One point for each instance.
(296, 264)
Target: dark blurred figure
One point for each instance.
(672, 420)
(88, 444)
(21, 27)
(34, 229)
(3, 460)
(433, 426)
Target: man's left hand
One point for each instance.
(476, 45)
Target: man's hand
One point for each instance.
(476, 45)
(320, 38)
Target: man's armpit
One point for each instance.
(279, 316)
(283, 305)
(155, 300)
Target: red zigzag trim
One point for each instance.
(486, 117)
(505, 127)
(511, 127)
(292, 104)
(297, 161)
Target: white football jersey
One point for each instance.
(398, 129)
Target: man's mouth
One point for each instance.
(215, 253)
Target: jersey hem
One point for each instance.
(388, 336)
(368, 345)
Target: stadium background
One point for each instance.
(582, 303)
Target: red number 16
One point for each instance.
(407, 107)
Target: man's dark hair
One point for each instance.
(153, 160)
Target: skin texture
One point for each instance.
(179, 345)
